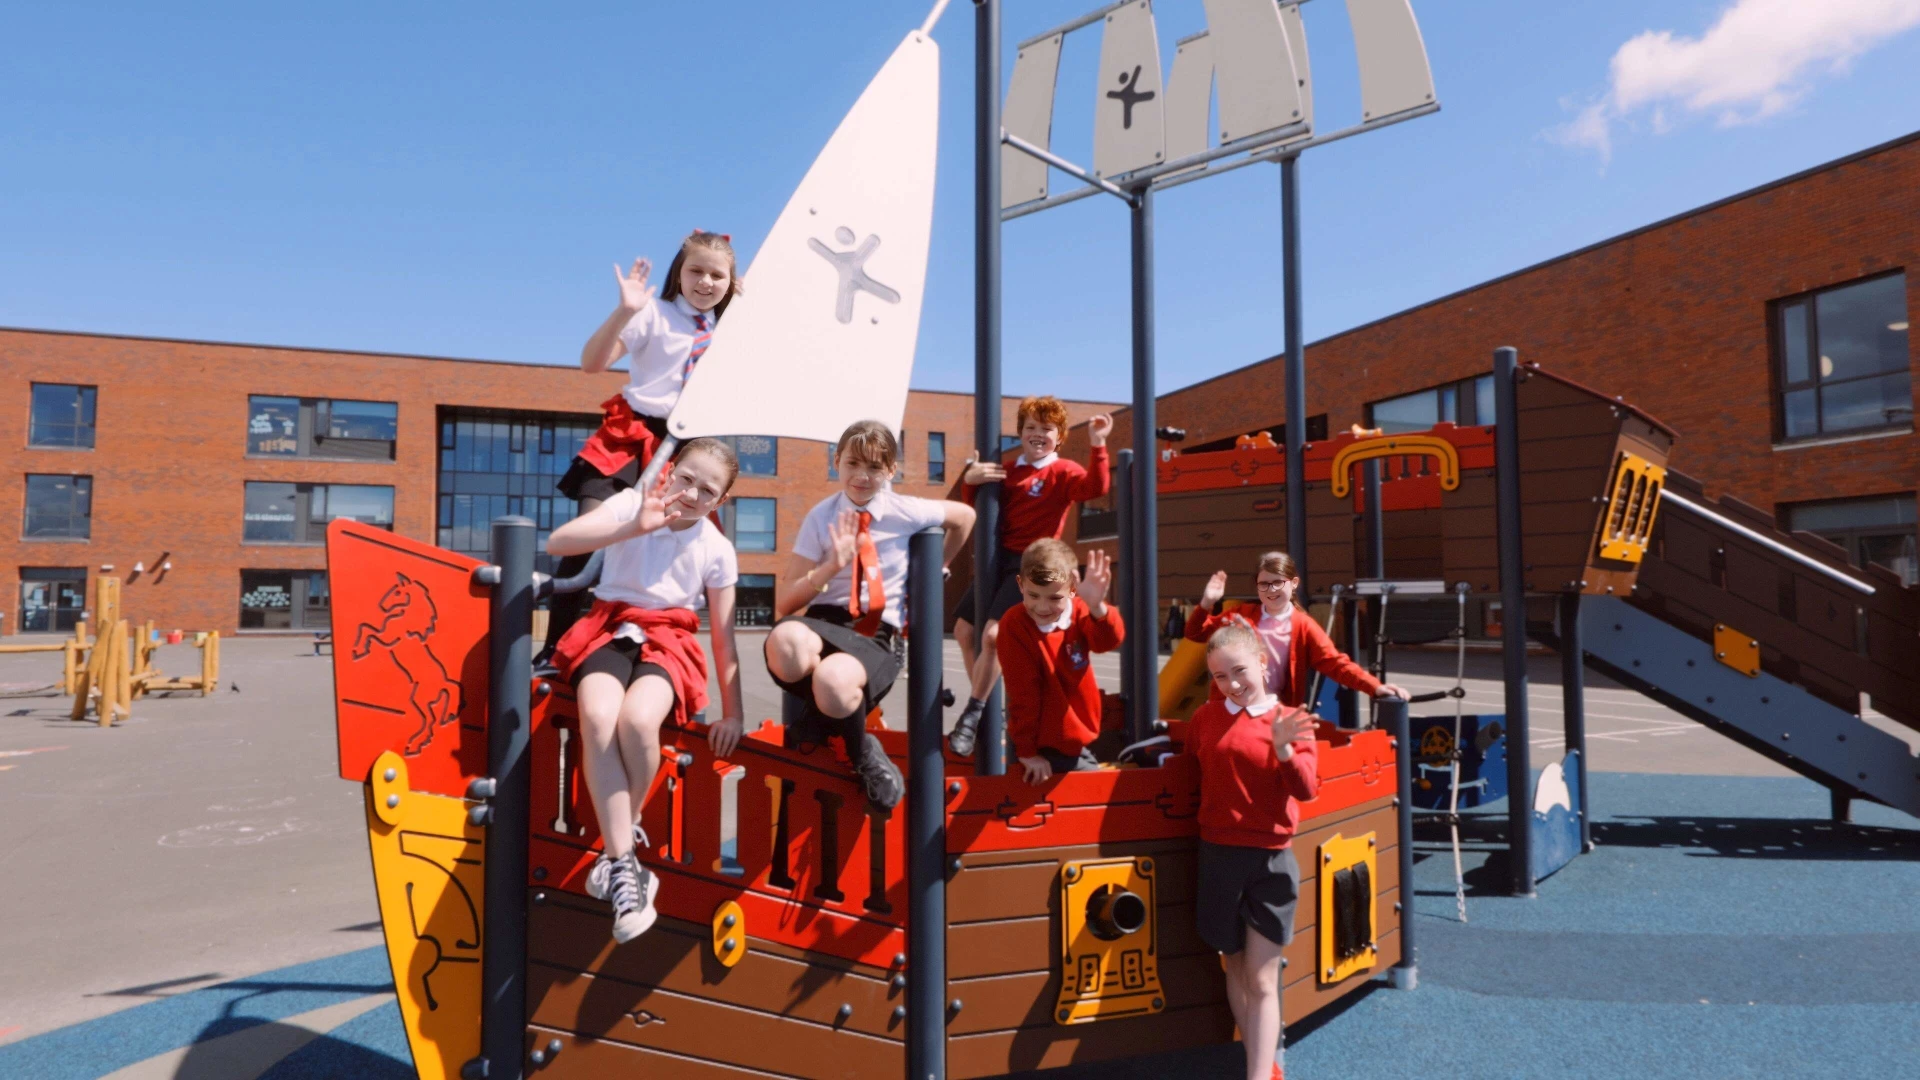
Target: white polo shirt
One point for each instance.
(657, 340)
(666, 568)
(895, 519)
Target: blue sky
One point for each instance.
(458, 180)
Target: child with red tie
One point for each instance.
(1035, 497)
(1295, 644)
(1258, 762)
(633, 659)
(665, 338)
(1046, 645)
(837, 646)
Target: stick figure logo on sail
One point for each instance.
(852, 267)
(1130, 95)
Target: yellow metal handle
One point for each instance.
(1396, 446)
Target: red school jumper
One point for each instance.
(1052, 698)
(1248, 796)
(1308, 649)
(670, 642)
(1034, 502)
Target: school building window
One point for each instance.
(496, 462)
(278, 513)
(759, 454)
(61, 416)
(52, 598)
(285, 600)
(936, 457)
(752, 524)
(1466, 402)
(1873, 530)
(833, 462)
(59, 508)
(1009, 443)
(322, 428)
(753, 600)
(1840, 360)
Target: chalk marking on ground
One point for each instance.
(35, 750)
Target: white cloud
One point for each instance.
(1755, 61)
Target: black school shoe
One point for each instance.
(882, 778)
(966, 729)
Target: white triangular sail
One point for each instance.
(824, 332)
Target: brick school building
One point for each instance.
(203, 474)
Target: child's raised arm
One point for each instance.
(1098, 479)
(605, 346)
(608, 524)
(724, 736)
(959, 523)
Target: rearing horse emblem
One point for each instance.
(409, 621)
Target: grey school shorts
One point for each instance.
(1243, 887)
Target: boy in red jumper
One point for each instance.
(1258, 762)
(1045, 645)
(1035, 498)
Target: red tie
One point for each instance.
(701, 339)
(866, 567)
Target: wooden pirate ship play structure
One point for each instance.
(798, 935)
(985, 925)
(988, 924)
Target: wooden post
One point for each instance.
(210, 664)
(121, 680)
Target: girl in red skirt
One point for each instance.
(664, 338)
(634, 661)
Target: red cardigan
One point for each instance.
(670, 643)
(1052, 698)
(1248, 797)
(1309, 648)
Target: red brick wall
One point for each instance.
(1672, 317)
(169, 463)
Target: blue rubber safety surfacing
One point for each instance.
(372, 1046)
(1721, 929)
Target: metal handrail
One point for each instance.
(1769, 542)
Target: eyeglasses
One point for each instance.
(1271, 586)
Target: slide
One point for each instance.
(1771, 639)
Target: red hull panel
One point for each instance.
(409, 657)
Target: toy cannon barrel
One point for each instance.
(1114, 912)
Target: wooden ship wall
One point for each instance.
(1601, 515)
(1222, 509)
(782, 946)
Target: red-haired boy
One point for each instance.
(1036, 495)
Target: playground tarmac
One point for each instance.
(201, 871)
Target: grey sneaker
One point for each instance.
(882, 777)
(602, 866)
(631, 888)
(967, 728)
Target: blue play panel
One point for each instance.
(1721, 928)
(1483, 760)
